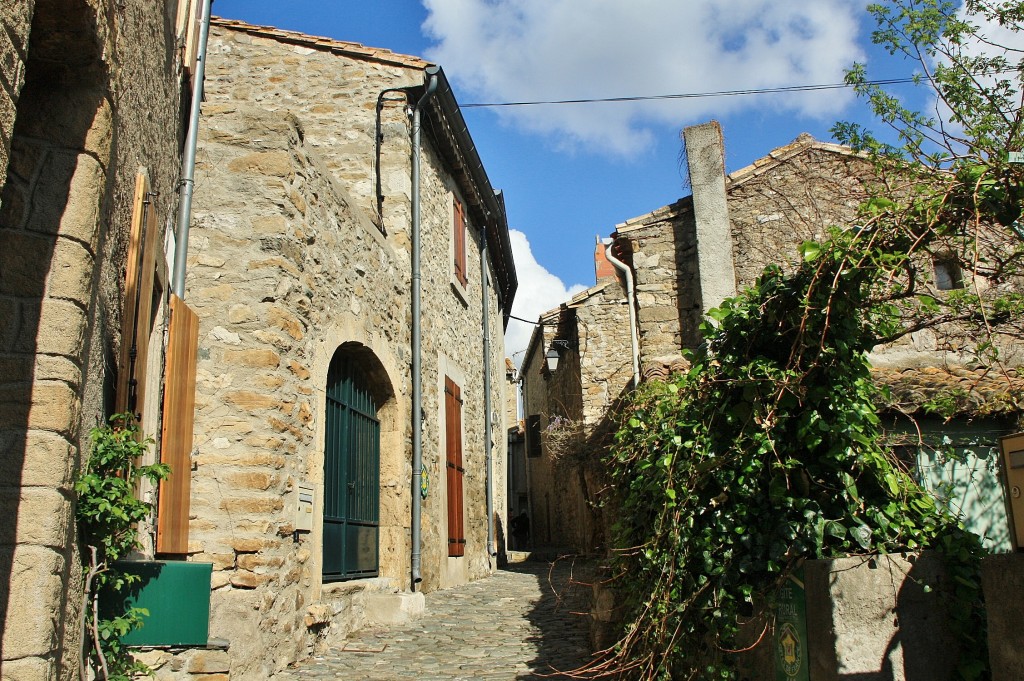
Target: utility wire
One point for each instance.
(699, 95)
(520, 319)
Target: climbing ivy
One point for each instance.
(766, 453)
(108, 513)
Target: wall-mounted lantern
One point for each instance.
(554, 353)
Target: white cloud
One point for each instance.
(539, 291)
(526, 50)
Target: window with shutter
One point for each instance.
(455, 470)
(533, 436)
(137, 313)
(176, 436)
(459, 238)
(189, 16)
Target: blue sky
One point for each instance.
(571, 172)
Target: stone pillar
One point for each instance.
(705, 159)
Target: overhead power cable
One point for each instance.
(699, 95)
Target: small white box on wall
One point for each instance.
(304, 493)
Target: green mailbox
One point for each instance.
(177, 596)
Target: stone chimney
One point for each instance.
(602, 268)
(705, 160)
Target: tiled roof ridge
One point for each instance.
(657, 215)
(779, 155)
(317, 42)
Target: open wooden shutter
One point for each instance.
(188, 32)
(459, 235)
(178, 418)
(456, 473)
(137, 314)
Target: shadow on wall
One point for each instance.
(42, 322)
(873, 620)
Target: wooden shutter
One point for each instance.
(189, 16)
(137, 313)
(176, 438)
(455, 470)
(459, 235)
(533, 435)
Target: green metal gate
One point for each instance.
(351, 474)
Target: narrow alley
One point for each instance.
(524, 622)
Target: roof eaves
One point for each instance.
(662, 214)
(356, 50)
(776, 157)
(486, 204)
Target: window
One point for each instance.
(459, 238)
(533, 436)
(947, 274)
(455, 470)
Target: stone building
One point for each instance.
(684, 259)
(303, 494)
(91, 127)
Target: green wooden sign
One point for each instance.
(790, 639)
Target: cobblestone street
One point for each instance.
(508, 626)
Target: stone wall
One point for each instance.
(575, 403)
(664, 258)
(287, 266)
(69, 173)
(774, 209)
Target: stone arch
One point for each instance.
(381, 370)
(56, 182)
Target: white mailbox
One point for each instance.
(304, 493)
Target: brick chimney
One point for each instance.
(602, 268)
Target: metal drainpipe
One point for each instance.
(488, 444)
(188, 160)
(417, 341)
(634, 340)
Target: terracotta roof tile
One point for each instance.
(955, 390)
(952, 391)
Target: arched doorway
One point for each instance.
(351, 537)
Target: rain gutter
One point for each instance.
(188, 160)
(417, 341)
(630, 295)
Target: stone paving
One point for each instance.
(511, 625)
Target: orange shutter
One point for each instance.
(459, 235)
(137, 314)
(178, 417)
(455, 470)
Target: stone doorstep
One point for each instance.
(395, 608)
(382, 602)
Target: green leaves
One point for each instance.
(810, 250)
(765, 453)
(108, 513)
